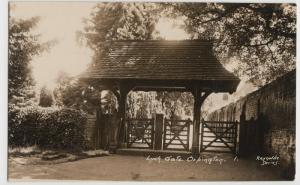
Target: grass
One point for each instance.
(24, 151)
(36, 155)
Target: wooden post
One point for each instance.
(235, 136)
(117, 122)
(242, 148)
(196, 124)
(202, 130)
(120, 128)
(122, 114)
(114, 123)
(199, 98)
(158, 127)
(99, 128)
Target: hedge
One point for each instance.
(46, 127)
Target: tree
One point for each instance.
(176, 103)
(118, 21)
(70, 93)
(22, 47)
(46, 98)
(261, 37)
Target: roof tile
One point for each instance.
(163, 60)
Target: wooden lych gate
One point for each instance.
(156, 65)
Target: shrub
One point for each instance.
(46, 98)
(46, 127)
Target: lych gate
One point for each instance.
(185, 66)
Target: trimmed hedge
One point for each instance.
(46, 127)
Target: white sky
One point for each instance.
(60, 21)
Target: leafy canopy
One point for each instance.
(118, 21)
(261, 38)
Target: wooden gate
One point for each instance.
(176, 134)
(218, 136)
(140, 133)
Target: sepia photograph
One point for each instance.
(151, 91)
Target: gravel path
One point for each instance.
(121, 167)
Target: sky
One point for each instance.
(60, 21)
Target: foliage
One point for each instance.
(73, 94)
(46, 98)
(260, 37)
(108, 102)
(118, 21)
(140, 104)
(176, 103)
(144, 104)
(46, 127)
(22, 47)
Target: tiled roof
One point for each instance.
(160, 60)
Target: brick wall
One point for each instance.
(270, 112)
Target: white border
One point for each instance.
(3, 99)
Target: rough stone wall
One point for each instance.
(273, 109)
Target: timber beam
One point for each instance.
(199, 97)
